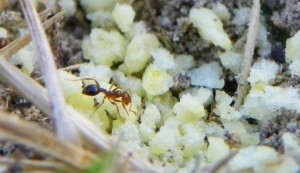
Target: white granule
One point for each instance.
(208, 75)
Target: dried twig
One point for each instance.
(25, 86)
(22, 41)
(21, 131)
(34, 164)
(149, 8)
(73, 67)
(248, 55)
(68, 68)
(64, 129)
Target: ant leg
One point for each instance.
(116, 100)
(128, 90)
(116, 87)
(83, 84)
(113, 102)
(131, 110)
(125, 108)
(97, 105)
(91, 79)
(96, 82)
(111, 85)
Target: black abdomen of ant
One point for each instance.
(91, 90)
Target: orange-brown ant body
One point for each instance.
(114, 96)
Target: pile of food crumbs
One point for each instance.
(167, 71)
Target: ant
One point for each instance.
(113, 95)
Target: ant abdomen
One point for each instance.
(91, 90)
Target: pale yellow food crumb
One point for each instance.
(27, 57)
(189, 108)
(216, 150)
(128, 82)
(231, 60)
(252, 157)
(292, 50)
(156, 81)
(163, 58)
(104, 47)
(167, 138)
(295, 67)
(288, 165)
(208, 75)
(138, 53)
(263, 102)
(223, 108)
(210, 27)
(136, 28)
(123, 15)
(69, 6)
(192, 138)
(291, 143)
(99, 72)
(263, 71)
(151, 116)
(221, 11)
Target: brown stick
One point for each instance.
(64, 129)
(22, 41)
(248, 55)
(32, 135)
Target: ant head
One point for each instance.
(126, 98)
(91, 90)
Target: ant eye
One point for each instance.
(90, 90)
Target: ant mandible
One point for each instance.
(113, 95)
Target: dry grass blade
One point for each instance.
(64, 129)
(21, 131)
(31, 165)
(25, 86)
(73, 67)
(44, 15)
(248, 55)
(22, 41)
